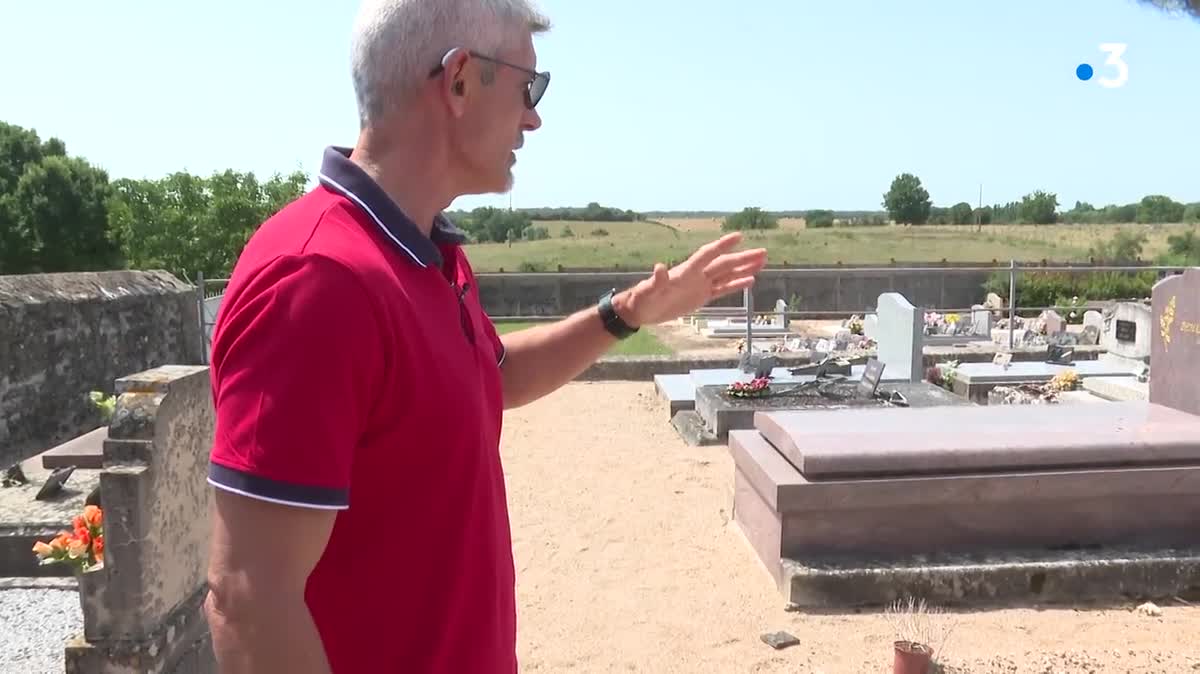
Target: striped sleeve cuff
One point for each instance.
(274, 491)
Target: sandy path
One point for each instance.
(626, 562)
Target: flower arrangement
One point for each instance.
(855, 324)
(751, 389)
(83, 547)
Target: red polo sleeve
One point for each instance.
(296, 362)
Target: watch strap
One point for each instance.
(612, 322)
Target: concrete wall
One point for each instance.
(63, 335)
(848, 289)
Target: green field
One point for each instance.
(643, 343)
(638, 245)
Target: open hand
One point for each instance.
(711, 272)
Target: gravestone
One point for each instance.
(1129, 333)
(1090, 336)
(1093, 317)
(981, 321)
(871, 327)
(1053, 321)
(1175, 342)
(901, 329)
(781, 309)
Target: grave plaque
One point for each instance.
(1126, 331)
(870, 379)
(1175, 342)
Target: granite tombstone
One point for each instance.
(1175, 342)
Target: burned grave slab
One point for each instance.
(720, 411)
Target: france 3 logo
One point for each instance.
(1118, 74)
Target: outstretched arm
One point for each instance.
(541, 359)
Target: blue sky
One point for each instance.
(657, 104)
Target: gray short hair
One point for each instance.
(396, 43)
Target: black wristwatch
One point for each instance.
(612, 322)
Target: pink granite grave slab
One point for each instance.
(783, 514)
(897, 441)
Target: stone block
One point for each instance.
(156, 503)
(897, 484)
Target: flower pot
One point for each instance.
(911, 658)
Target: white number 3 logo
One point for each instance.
(1115, 50)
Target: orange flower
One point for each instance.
(60, 541)
(93, 515)
(83, 536)
(76, 548)
(98, 548)
(42, 549)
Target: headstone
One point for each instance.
(1090, 336)
(1053, 321)
(901, 327)
(993, 302)
(981, 321)
(1093, 317)
(870, 379)
(781, 309)
(1003, 359)
(841, 340)
(1129, 333)
(871, 327)
(1175, 342)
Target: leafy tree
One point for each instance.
(907, 202)
(819, 218)
(1191, 214)
(187, 224)
(749, 218)
(1039, 208)
(962, 213)
(1186, 7)
(1158, 208)
(52, 207)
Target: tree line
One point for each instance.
(60, 213)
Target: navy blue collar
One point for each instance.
(345, 177)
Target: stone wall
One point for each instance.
(64, 335)
(143, 609)
(841, 290)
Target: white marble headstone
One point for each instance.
(871, 327)
(981, 321)
(1129, 332)
(901, 347)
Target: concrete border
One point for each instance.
(644, 368)
(1018, 578)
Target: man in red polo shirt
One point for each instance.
(360, 520)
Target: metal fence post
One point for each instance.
(203, 319)
(748, 300)
(1012, 301)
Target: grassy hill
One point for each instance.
(638, 245)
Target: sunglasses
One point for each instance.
(535, 88)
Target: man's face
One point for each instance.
(494, 118)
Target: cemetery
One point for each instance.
(856, 479)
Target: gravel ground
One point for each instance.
(627, 562)
(35, 625)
